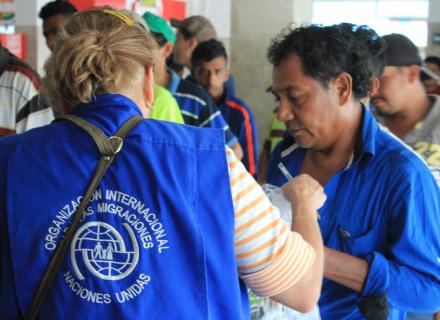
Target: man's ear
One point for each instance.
(413, 73)
(193, 42)
(168, 49)
(374, 87)
(343, 84)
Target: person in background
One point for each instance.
(197, 107)
(402, 104)
(190, 32)
(433, 64)
(145, 247)
(55, 15)
(380, 223)
(21, 108)
(210, 69)
(165, 106)
(431, 75)
(405, 108)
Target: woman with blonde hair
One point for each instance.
(104, 214)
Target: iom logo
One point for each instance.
(99, 248)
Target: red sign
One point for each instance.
(16, 43)
(86, 4)
(174, 9)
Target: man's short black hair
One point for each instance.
(208, 50)
(159, 38)
(57, 7)
(325, 52)
(434, 60)
(372, 43)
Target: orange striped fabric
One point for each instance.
(270, 257)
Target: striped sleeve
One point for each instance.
(270, 257)
(211, 117)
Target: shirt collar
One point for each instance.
(174, 82)
(368, 132)
(105, 100)
(108, 111)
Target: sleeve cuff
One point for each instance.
(289, 267)
(378, 279)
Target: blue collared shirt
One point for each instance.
(384, 207)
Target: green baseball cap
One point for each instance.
(159, 25)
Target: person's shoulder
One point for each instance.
(163, 96)
(18, 66)
(435, 114)
(8, 142)
(235, 101)
(164, 132)
(191, 89)
(397, 157)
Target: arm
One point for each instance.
(270, 258)
(306, 197)
(408, 263)
(236, 147)
(411, 263)
(345, 269)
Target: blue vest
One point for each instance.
(156, 241)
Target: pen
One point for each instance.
(285, 172)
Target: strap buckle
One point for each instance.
(116, 143)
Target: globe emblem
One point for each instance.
(100, 248)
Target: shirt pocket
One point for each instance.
(361, 243)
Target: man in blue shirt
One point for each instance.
(380, 222)
(210, 70)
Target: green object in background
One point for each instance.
(159, 25)
(276, 131)
(7, 15)
(166, 108)
(150, 3)
(436, 38)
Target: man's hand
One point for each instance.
(304, 192)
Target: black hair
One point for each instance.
(57, 7)
(433, 59)
(159, 38)
(208, 50)
(372, 43)
(325, 52)
(186, 33)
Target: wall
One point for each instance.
(27, 21)
(433, 27)
(254, 24)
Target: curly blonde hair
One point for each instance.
(95, 52)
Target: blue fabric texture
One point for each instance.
(152, 243)
(197, 107)
(384, 208)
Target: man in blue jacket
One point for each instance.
(380, 222)
(210, 70)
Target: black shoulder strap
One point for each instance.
(108, 148)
